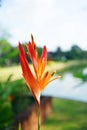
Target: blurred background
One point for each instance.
(61, 25)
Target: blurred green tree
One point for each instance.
(5, 47)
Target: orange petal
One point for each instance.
(38, 63)
(43, 61)
(33, 43)
(43, 81)
(47, 78)
(28, 76)
(33, 57)
(44, 54)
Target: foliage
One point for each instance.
(5, 47)
(9, 55)
(74, 53)
(39, 50)
(76, 70)
(67, 115)
(13, 56)
(21, 102)
(8, 91)
(5, 105)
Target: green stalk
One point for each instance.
(19, 126)
(38, 118)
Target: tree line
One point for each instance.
(9, 55)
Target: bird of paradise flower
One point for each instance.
(35, 83)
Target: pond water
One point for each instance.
(85, 71)
(69, 87)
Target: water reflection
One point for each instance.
(69, 87)
(85, 71)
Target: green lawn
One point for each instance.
(51, 66)
(17, 72)
(67, 115)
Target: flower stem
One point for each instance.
(19, 126)
(38, 118)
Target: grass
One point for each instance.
(17, 72)
(67, 115)
(51, 66)
(14, 70)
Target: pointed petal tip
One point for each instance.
(45, 48)
(36, 95)
(19, 45)
(31, 35)
(29, 42)
(38, 102)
